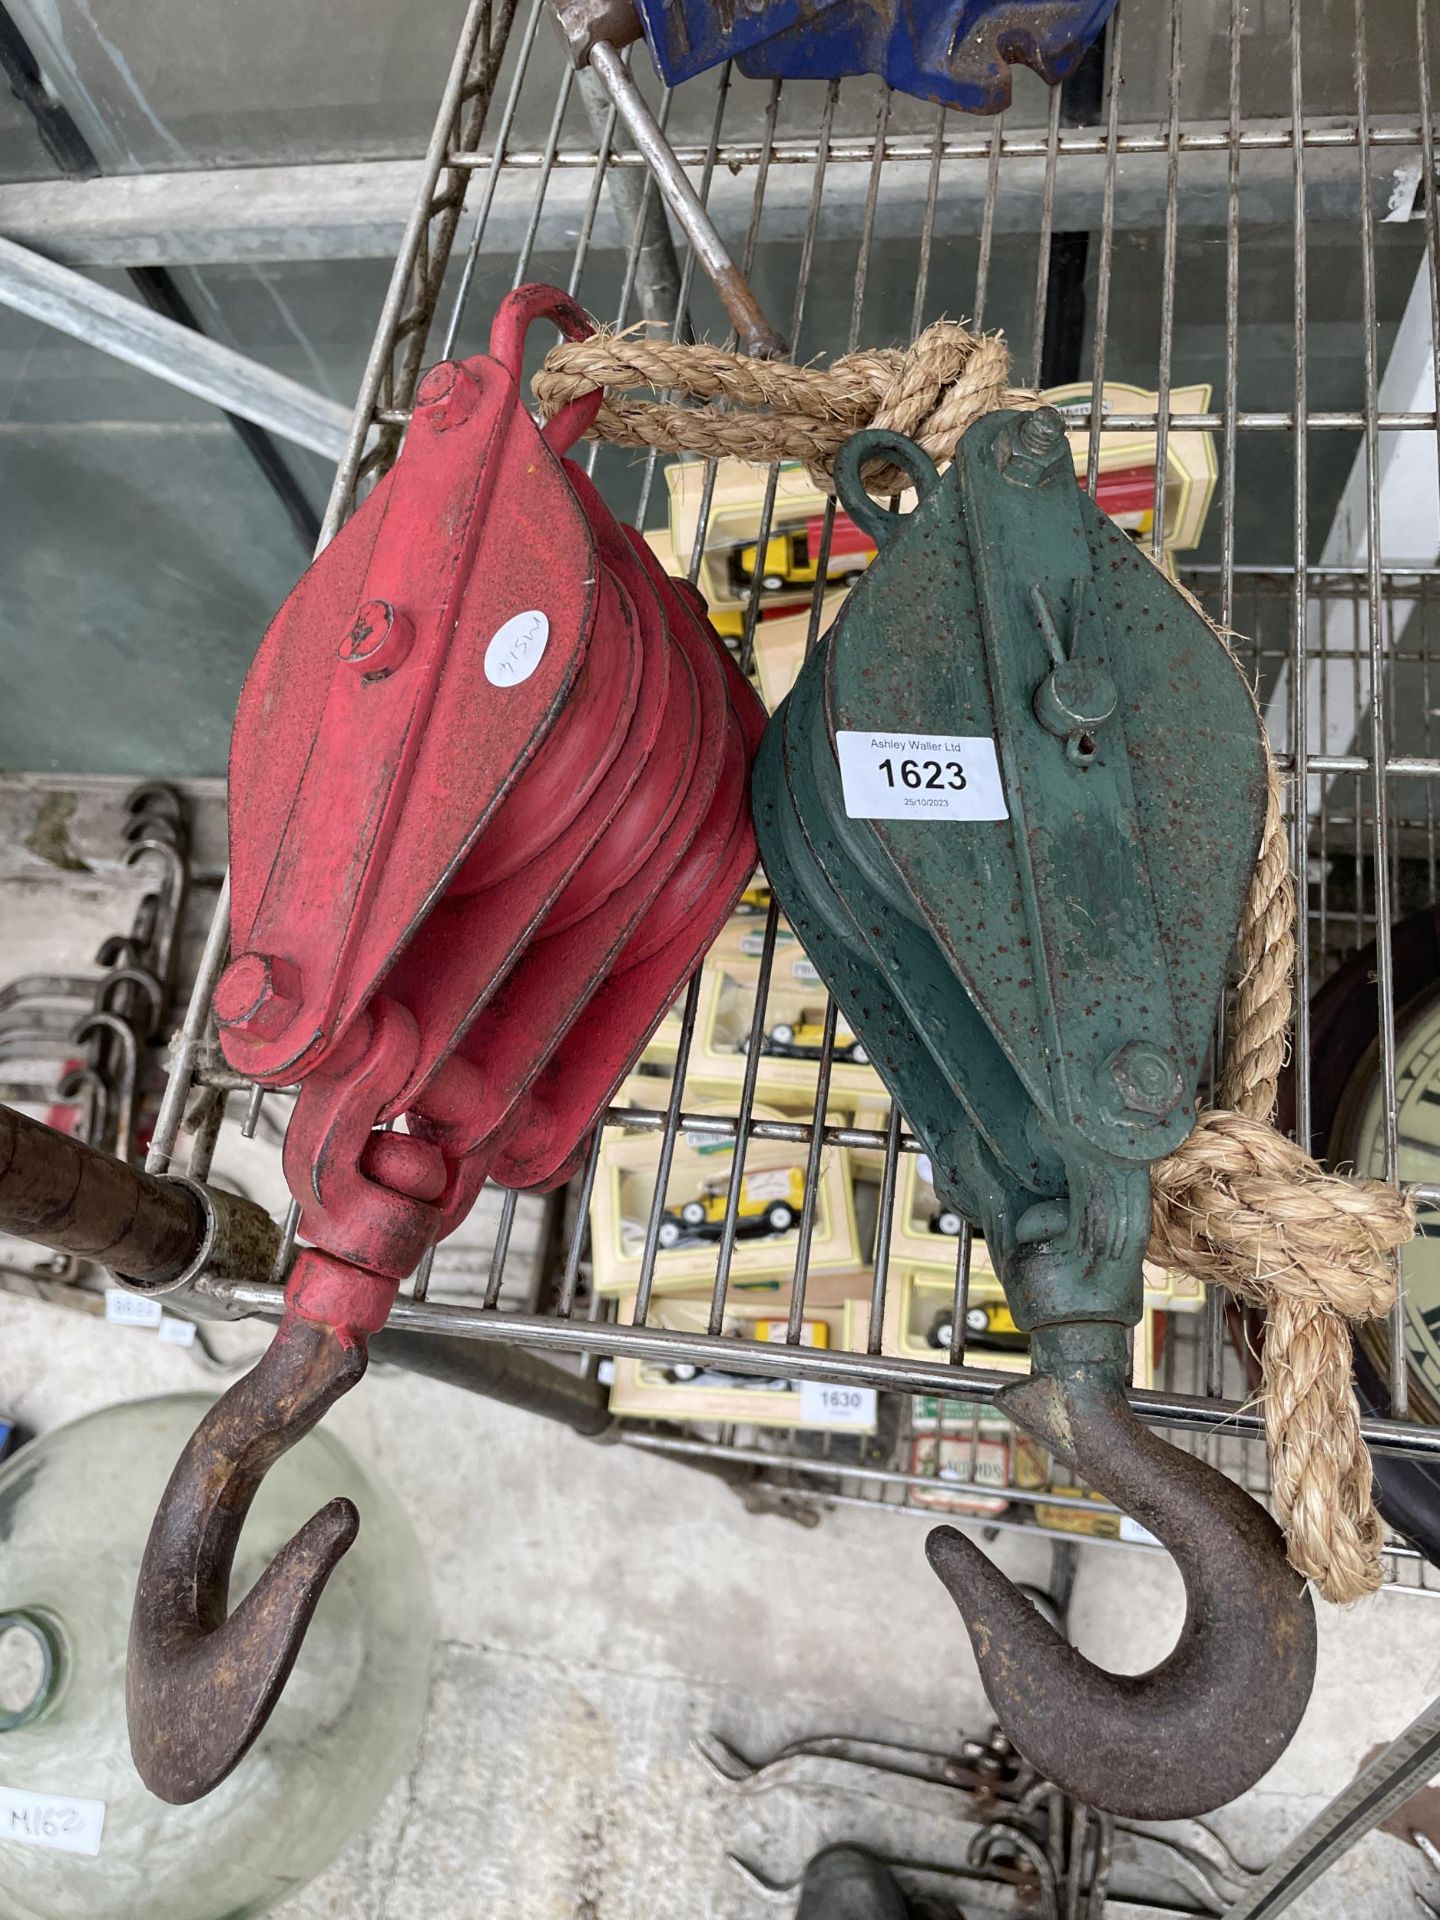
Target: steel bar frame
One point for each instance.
(62, 298)
(67, 147)
(359, 209)
(478, 187)
(1385, 1784)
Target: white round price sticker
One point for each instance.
(517, 649)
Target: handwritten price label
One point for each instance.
(51, 1820)
(517, 648)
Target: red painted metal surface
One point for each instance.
(846, 539)
(1127, 490)
(490, 775)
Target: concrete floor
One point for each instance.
(597, 1608)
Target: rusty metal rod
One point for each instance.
(518, 1378)
(74, 1199)
(755, 332)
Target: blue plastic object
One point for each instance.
(957, 53)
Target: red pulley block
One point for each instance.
(490, 774)
(489, 789)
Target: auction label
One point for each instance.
(51, 1820)
(1137, 1535)
(828, 1406)
(920, 776)
(132, 1309)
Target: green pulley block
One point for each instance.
(1012, 807)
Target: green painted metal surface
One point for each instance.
(1037, 991)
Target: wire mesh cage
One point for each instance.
(1220, 233)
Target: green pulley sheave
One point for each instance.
(1012, 807)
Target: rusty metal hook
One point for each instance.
(166, 921)
(146, 1020)
(126, 1080)
(92, 1090)
(154, 798)
(48, 987)
(1197, 1730)
(201, 1685)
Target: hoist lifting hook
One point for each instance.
(1198, 1729)
(1032, 946)
(490, 804)
(182, 1646)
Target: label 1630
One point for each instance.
(823, 1405)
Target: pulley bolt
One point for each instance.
(377, 640)
(1148, 1079)
(1041, 431)
(260, 992)
(446, 395)
(1075, 697)
(1031, 449)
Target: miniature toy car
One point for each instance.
(986, 1325)
(800, 1040)
(770, 1202)
(792, 556)
(689, 1373)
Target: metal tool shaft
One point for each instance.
(519, 1379)
(1407, 1764)
(756, 334)
(641, 217)
(75, 1199)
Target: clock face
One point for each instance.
(1360, 1131)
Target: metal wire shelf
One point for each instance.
(961, 218)
(961, 1471)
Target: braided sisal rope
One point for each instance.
(1240, 1205)
(1236, 1204)
(930, 392)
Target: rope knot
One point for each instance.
(930, 391)
(1239, 1204)
(937, 388)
